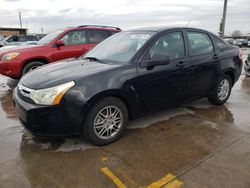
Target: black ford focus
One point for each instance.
(126, 76)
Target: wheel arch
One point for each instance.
(40, 59)
(230, 73)
(110, 93)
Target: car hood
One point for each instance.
(61, 72)
(8, 49)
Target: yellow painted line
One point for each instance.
(162, 181)
(116, 181)
(174, 184)
(104, 159)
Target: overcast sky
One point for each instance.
(55, 14)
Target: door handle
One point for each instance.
(180, 64)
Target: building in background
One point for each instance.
(5, 32)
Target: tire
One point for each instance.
(217, 96)
(99, 135)
(31, 66)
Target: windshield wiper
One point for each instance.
(93, 59)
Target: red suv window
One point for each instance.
(97, 36)
(75, 37)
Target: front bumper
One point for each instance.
(10, 68)
(60, 120)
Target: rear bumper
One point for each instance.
(59, 120)
(238, 70)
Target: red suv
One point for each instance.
(61, 44)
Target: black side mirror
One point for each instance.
(156, 60)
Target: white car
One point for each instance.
(18, 40)
(248, 44)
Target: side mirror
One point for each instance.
(156, 60)
(60, 43)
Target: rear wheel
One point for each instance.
(106, 121)
(221, 91)
(31, 66)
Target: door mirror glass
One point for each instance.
(60, 43)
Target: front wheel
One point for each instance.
(106, 121)
(221, 91)
(31, 66)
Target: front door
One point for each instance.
(164, 85)
(75, 45)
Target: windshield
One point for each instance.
(48, 38)
(121, 47)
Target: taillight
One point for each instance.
(240, 54)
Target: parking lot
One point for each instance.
(195, 145)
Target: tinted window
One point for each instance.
(97, 36)
(200, 43)
(13, 39)
(219, 44)
(22, 39)
(74, 37)
(31, 38)
(171, 45)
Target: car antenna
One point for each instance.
(188, 23)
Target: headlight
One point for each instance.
(51, 96)
(10, 56)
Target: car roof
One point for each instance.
(99, 27)
(162, 28)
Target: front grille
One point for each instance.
(24, 93)
(24, 90)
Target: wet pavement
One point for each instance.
(197, 145)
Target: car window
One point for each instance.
(74, 37)
(171, 45)
(219, 44)
(48, 38)
(31, 38)
(200, 43)
(10, 39)
(13, 39)
(121, 47)
(97, 36)
(22, 39)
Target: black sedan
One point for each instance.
(126, 76)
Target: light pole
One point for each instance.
(223, 21)
(20, 20)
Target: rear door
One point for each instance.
(203, 66)
(75, 45)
